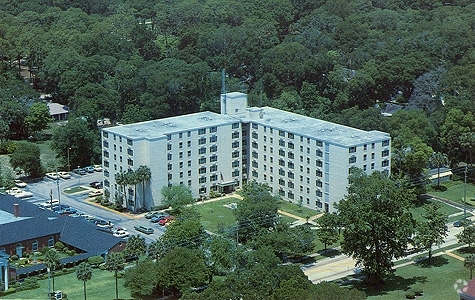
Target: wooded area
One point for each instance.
(336, 60)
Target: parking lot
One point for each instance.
(45, 189)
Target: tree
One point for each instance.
(220, 255)
(27, 157)
(438, 160)
(182, 269)
(95, 260)
(378, 224)
(135, 247)
(469, 263)
(142, 280)
(327, 231)
(114, 263)
(433, 229)
(144, 174)
(186, 230)
(177, 196)
(51, 260)
(84, 273)
(256, 211)
(467, 236)
(38, 118)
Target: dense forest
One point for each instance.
(338, 60)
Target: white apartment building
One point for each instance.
(304, 160)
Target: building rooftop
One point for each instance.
(56, 108)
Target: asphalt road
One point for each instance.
(41, 190)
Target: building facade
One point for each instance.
(304, 160)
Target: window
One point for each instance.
(385, 143)
(281, 133)
(255, 145)
(180, 155)
(202, 160)
(235, 154)
(189, 173)
(106, 153)
(290, 155)
(352, 159)
(254, 173)
(213, 129)
(213, 139)
(130, 152)
(281, 172)
(372, 155)
(282, 143)
(34, 246)
(290, 165)
(202, 141)
(235, 173)
(318, 183)
(318, 143)
(188, 133)
(202, 150)
(385, 153)
(106, 163)
(213, 168)
(189, 153)
(180, 135)
(290, 135)
(281, 181)
(319, 153)
(188, 143)
(105, 134)
(290, 145)
(255, 154)
(372, 166)
(169, 167)
(281, 152)
(202, 131)
(169, 147)
(202, 180)
(202, 170)
(129, 142)
(181, 164)
(130, 162)
(290, 175)
(255, 164)
(213, 177)
(319, 163)
(318, 173)
(106, 144)
(255, 126)
(365, 157)
(180, 145)
(235, 135)
(372, 145)
(281, 162)
(170, 176)
(365, 147)
(169, 156)
(235, 125)
(235, 164)
(352, 150)
(51, 242)
(120, 157)
(364, 168)
(255, 135)
(235, 144)
(385, 163)
(169, 137)
(290, 195)
(290, 184)
(318, 193)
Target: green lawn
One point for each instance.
(73, 190)
(100, 287)
(456, 192)
(215, 214)
(294, 209)
(437, 281)
(418, 211)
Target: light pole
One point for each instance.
(465, 195)
(49, 284)
(69, 165)
(57, 184)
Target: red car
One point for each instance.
(165, 220)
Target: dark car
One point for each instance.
(146, 230)
(96, 184)
(79, 171)
(460, 223)
(157, 218)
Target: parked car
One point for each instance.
(152, 214)
(64, 175)
(49, 204)
(89, 169)
(95, 193)
(97, 168)
(20, 183)
(157, 218)
(21, 194)
(103, 223)
(146, 230)
(79, 171)
(165, 220)
(96, 184)
(121, 234)
(52, 175)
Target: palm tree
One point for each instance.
(115, 262)
(51, 261)
(120, 180)
(84, 273)
(469, 263)
(144, 174)
(133, 179)
(438, 159)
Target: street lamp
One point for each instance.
(69, 165)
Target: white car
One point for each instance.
(64, 175)
(12, 191)
(97, 168)
(121, 234)
(52, 175)
(20, 183)
(19, 193)
(95, 193)
(48, 204)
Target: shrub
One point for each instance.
(417, 291)
(44, 250)
(14, 257)
(59, 246)
(7, 147)
(106, 203)
(95, 261)
(410, 295)
(9, 291)
(22, 262)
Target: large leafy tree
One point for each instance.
(115, 262)
(27, 157)
(257, 211)
(469, 263)
(433, 230)
(135, 246)
(84, 273)
(377, 222)
(438, 160)
(177, 196)
(142, 280)
(38, 118)
(327, 231)
(467, 236)
(182, 269)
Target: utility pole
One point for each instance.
(465, 195)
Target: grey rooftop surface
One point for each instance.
(267, 116)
